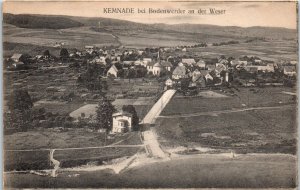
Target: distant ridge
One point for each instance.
(61, 21)
(32, 21)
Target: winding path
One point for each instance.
(55, 162)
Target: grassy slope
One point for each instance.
(140, 35)
(271, 130)
(264, 171)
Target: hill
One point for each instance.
(33, 21)
(116, 25)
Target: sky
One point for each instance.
(244, 14)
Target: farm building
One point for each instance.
(112, 71)
(289, 70)
(17, 57)
(150, 67)
(201, 64)
(89, 49)
(206, 75)
(166, 65)
(122, 122)
(196, 75)
(169, 82)
(263, 68)
(189, 61)
(211, 67)
(180, 72)
(138, 62)
(99, 60)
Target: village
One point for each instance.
(173, 67)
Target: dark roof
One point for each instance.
(179, 70)
(166, 64)
(150, 63)
(16, 56)
(122, 113)
(289, 68)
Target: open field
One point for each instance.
(73, 38)
(250, 97)
(40, 141)
(276, 50)
(205, 171)
(223, 123)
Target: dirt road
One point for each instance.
(216, 113)
(150, 140)
(158, 107)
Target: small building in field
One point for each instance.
(289, 70)
(122, 122)
(89, 49)
(112, 71)
(17, 57)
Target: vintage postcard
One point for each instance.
(150, 94)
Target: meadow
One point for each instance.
(226, 124)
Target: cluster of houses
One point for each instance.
(155, 63)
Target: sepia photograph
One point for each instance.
(148, 94)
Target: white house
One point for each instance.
(99, 60)
(17, 57)
(169, 82)
(112, 71)
(122, 122)
(89, 49)
(157, 69)
(150, 67)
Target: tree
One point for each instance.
(131, 74)
(135, 118)
(46, 53)
(104, 114)
(20, 100)
(64, 53)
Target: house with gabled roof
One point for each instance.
(157, 69)
(210, 67)
(122, 122)
(166, 65)
(150, 66)
(112, 71)
(201, 64)
(17, 57)
(180, 72)
(206, 74)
